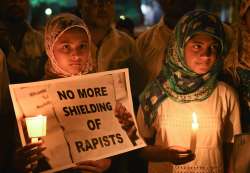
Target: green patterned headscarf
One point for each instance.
(176, 80)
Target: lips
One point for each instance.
(75, 64)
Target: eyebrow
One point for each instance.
(200, 42)
(195, 41)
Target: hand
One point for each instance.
(179, 155)
(98, 166)
(128, 125)
(28, 155)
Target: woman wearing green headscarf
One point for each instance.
(186, 85)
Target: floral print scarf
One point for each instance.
(176, 80)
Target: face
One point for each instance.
(98, 13)
(201, 53)
(71, 50)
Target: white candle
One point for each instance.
(34, 140)
(36, 127)
(195, 127)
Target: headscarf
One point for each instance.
(53, 30)
(176, 80)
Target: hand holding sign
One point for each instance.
(97, 166)
(27, 155)
(127, 123)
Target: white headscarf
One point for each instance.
(53, 30)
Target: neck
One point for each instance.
(98, 33)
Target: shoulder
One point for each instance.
(123, 36)
(225, 88)
(31, 32)
(147, 34)
(226, 93)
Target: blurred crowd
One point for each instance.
(189, 60)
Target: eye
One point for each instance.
(83, 46)
(196, 47)
(214, 47)
(65, 46)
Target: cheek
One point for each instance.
(84, 55)
(189, 58)
(57, 54)
(213, 60)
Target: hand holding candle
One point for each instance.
(195, 127)
(36, 127)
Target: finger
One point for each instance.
(121, 109)
(86, 162)
(35, 151)
(186, 159)
(91, 169)
(180, 150)
(29, 146)
(35, 158)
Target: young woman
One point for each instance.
(67, 44)
(188, 83)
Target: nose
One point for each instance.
(75, 55)
(206, 53)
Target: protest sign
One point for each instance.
(89, 117)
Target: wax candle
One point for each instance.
(195, 127)
(36, 127)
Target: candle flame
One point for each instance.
(195, 124)
(36, 126)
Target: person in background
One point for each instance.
(186, 84)
(111, 48)
(25, 56)
(237, 62)
(152, 43)
(126, 25)
(7, 118)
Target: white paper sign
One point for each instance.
(89, 117)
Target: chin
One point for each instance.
(201, 71)
(74, 72)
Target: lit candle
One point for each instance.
(36, 127)
(195, 127)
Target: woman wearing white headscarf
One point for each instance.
(67, 44)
